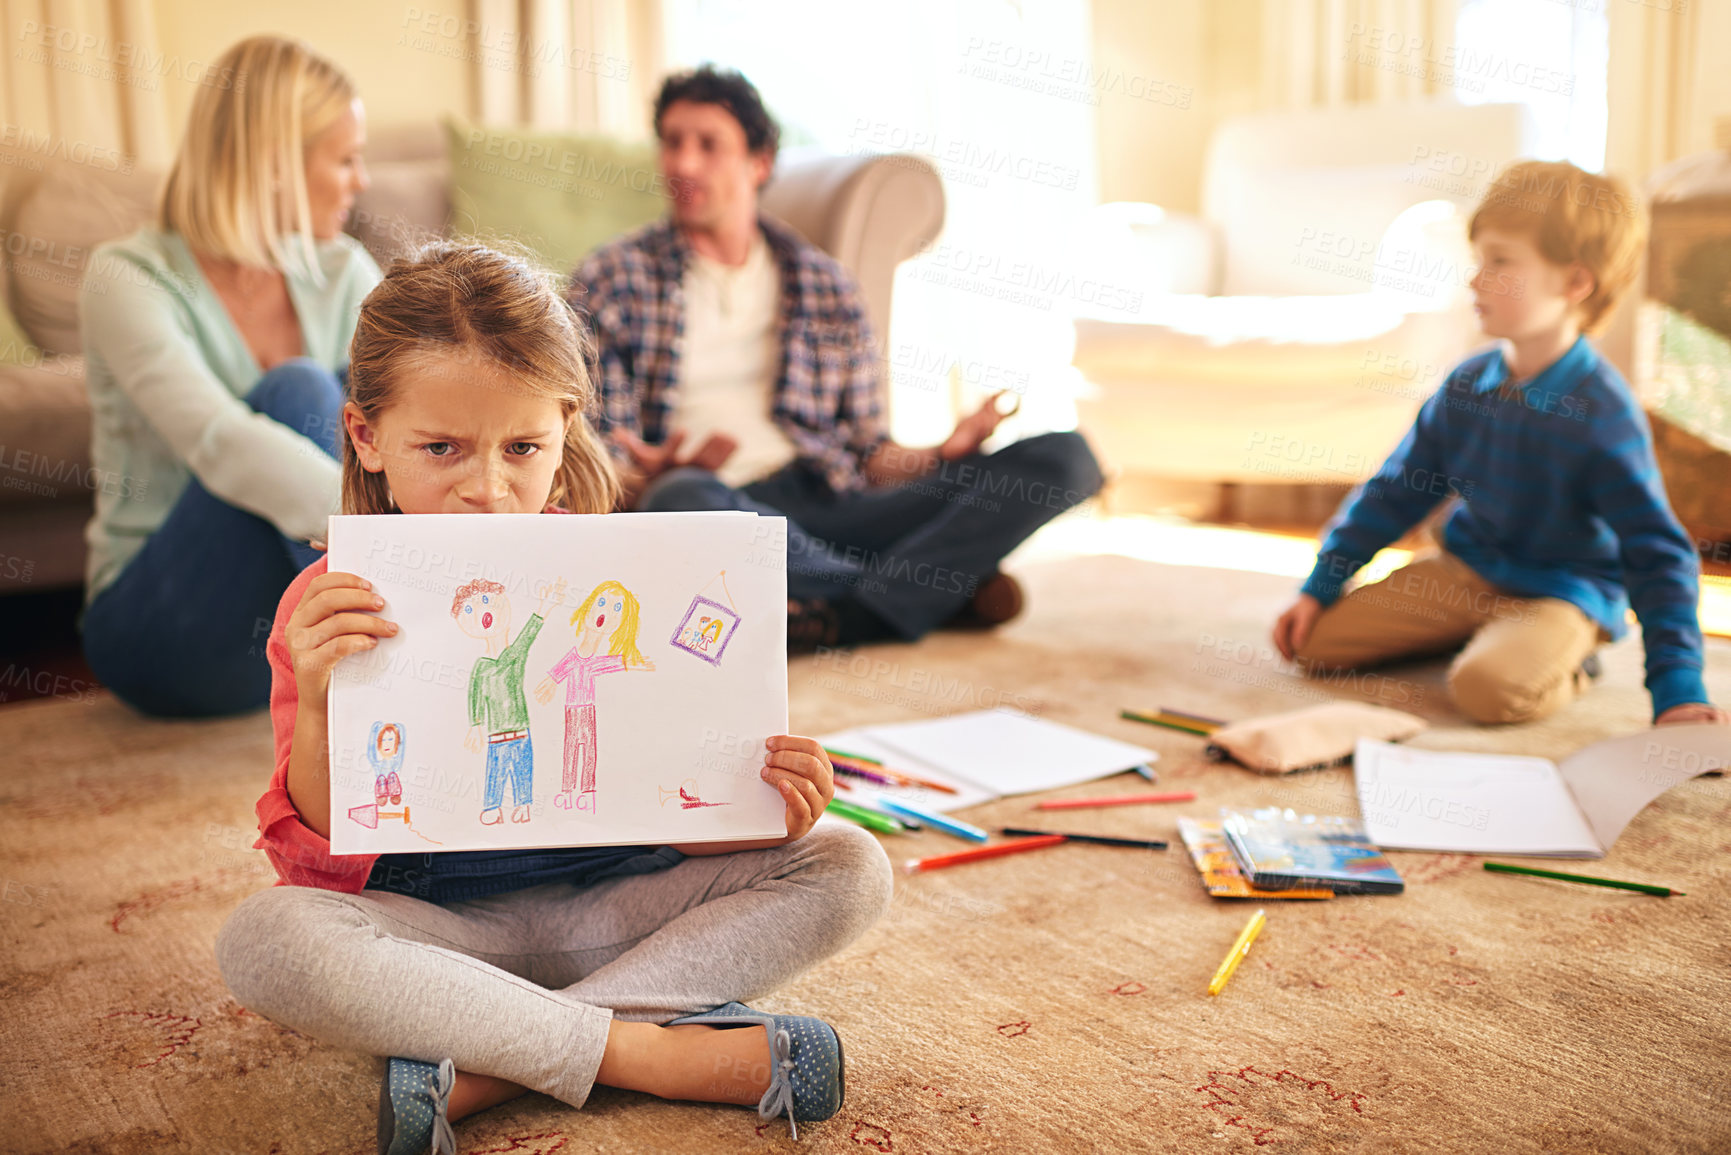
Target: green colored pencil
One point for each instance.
(1169, 723)
(1644, 888)
(870, 819)
(862, 759)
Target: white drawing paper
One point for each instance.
(546, 686)
(1506, 804)
(983, 754)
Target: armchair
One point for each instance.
(1290, 332)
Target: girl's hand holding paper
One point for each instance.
(799, 768)
(336, 618)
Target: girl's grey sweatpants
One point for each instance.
(523, 985)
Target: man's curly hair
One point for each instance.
(732, 91)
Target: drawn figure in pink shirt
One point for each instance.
(606, 625)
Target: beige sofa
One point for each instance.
(869, 212)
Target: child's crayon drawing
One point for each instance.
(686, 792)
(482, 726)
(385, 746)
(607, 618)
(497, 709)
(707, 626)
(370, 815)
(385, 753)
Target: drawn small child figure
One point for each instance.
(696, 637)
(608, 605)
(385, 753)
(497, 707)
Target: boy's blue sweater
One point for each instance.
(1560, 497)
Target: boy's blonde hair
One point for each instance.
(470, 301)
(238, 185)
(1572, 216)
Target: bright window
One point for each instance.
(1547, 54)
(1002, 97)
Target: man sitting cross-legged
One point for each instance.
(722, 329)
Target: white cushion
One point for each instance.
(1310, 230)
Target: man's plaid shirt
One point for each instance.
(827, 397)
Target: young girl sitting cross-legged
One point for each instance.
(487, 973)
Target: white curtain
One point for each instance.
(1324, 52)
(1656, 55)
(588, 65)
(89, 74)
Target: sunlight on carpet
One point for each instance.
(1172, 541)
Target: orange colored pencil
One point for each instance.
(941, 860)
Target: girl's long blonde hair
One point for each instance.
(238, 186)
(467, 300)
(622, 642)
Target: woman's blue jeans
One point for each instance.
(181, 631)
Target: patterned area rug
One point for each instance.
(1046, 1002)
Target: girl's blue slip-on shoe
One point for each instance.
(413, 1100)
(807, 1078)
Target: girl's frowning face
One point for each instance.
(461, 436)
(388, 741)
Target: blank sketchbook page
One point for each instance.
(1614, 780)
(1010, 753)
(1470, 803)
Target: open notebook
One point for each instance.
(983, 755)
(1509, 804)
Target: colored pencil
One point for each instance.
(861, 772)
(1644, 888)
(1101, 839)
(1196, 728)
(870, 819)
(878, 772)
(1115, 800)
(1147, 771)
(862, 759)
(876, 806)
(941, 860)
(942, 822)
(1203, 718)
(1239, 950)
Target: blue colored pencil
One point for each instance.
(937, 821)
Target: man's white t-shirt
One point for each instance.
(730, 360)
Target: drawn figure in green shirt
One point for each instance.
(497, 708)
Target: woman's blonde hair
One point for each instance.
(468, 301)
(238, 185)
(622, 642)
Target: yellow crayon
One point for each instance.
(1239, 950)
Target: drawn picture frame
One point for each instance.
(688, 637)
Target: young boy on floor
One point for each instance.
(1562, 522)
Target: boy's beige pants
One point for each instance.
(1520, 658)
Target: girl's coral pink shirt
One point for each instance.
(300, 855)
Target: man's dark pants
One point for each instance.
(912, 554)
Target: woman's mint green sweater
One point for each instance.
(168, 375)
